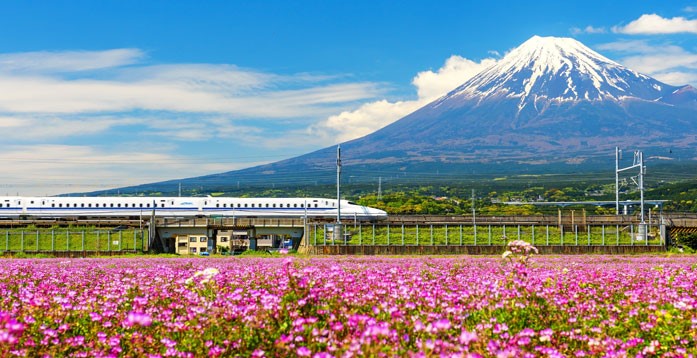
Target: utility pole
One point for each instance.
(638, 163)
(474, 221)
(337, 228)
(618, 153)
(380, 188)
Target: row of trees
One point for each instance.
(458, 201)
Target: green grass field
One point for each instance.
(71, 239)
(485, 235)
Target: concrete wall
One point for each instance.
(473, 250)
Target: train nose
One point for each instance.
(377, 213)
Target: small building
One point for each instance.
(193, 245)
(229, 240)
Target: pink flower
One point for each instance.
(303, 352)
(466, 337)
(138, 318)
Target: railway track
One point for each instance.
(674, 219)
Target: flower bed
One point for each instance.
(370, 306)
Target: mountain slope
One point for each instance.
(550, 104)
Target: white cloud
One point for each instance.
(588, 30)
(50, 95)
(595, 30)
(68, 61)
(366, 119)
(55, 169)
(456, 70)
(374, 115)
(56, 104)
(678, 78)
(655, 24)
(666, 62)
(41, 128)
(94, 82)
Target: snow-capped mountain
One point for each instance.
(550, 99)
(551, 69)
(552, 103)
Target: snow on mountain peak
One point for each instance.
(558, 69)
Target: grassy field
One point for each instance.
(72, 239)
(485, 235)
(75, 239)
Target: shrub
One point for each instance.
(689, 240)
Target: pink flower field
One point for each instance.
(612, 306)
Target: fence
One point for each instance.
(61, 241)
(489, 234)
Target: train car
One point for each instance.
(129, 207)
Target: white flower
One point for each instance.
(206, 274)
(210, 272)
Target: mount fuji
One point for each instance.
(550, 103)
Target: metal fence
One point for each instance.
(51, 240)
(488, 234)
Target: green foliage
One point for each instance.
(453, 197)
(689, 240)
(401, 203)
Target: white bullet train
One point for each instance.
(129, 207)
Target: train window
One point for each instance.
(302, 205)
(217, 205)
(60, 205)
(267, 205)
(0, 205)
(141, 205)
(315, 205)
(274, 205)
(147, 205)
(245, 205)
(162, 205)
(111, 205)
(53, 205)
(89, 205)
(31, 202)
(82, 205)
(252, 205)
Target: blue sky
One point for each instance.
(102, 94)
